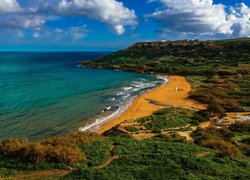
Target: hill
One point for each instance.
(218, 70)
(178, 57)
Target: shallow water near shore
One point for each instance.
(44, 94)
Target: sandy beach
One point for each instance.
(174, 93)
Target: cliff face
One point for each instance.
(176, 57)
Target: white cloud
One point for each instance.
(111, 12)
(77, 33)
(70, 34)
(9, 6)
(240, 19)
(22, 21)
(203, 17)
(34, 16)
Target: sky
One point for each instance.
(109, 25)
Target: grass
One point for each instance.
(167, 118)
(220, 75)
(201, 61)
(97, 152)
(157, 159)
(162, 157)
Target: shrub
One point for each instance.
(245, 149)
(246, 140)
(215, 109)
(219, 139)
(226, 148)
(195, 122)
(68, 140)
(68, 155)
(132, 129)
(174, 137)
(156, 130)
(13, 146)
(6, 172)
(241, 126)
(60, 149)
(201, 116)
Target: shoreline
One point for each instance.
(99, 122)
(174, 93)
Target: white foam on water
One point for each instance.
(120, 93)
(127, 88)
(100, 121)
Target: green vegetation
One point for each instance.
(179, 57)
(97, 152)
(164, 156)
(166, 119)
(132, 129)
(219, 139)
(218, 70)
(170, 118)
(59, 152)
(158, 159)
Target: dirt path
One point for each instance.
(40, 175)
(107, 162)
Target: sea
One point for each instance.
(47, 93)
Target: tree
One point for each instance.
(215, 109)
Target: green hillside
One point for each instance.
(218, 70)
(178, 57)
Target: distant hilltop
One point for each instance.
(165, 43)
(177, 57)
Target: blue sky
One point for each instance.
(107, 25)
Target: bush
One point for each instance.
(60, 149)
(167, 118)
(226, 148)
(241, 126)
(68, 155)
(201, 116)
(195, 122)
(219, 139)
(132, 129)
(246, 140)
(215, 109)
(156, 130)
(172, 137)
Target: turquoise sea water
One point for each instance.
(44, 94)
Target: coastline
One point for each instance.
(173, 93)
(99, 122)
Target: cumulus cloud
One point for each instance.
(111, 12)
(240, 19)
(22, 21)
(9, 6)
(203, 17)
(35, 15)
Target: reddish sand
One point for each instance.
(174, 93)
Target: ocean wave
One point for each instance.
(98, 122)
(120, 93)
(126, 98)
(127, 88)
(164, 78)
